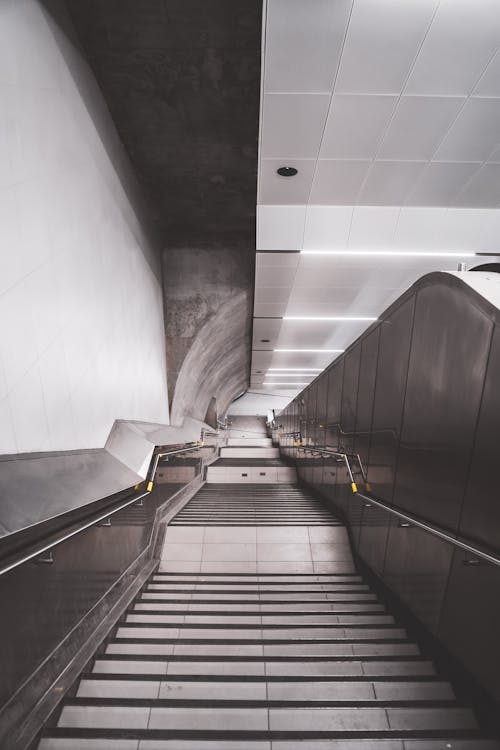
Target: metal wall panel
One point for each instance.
(449, 350)
(426, 416)
(480, 519)
(395, 336)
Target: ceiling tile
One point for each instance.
(373, 226)
(418, 127)
(307, 113)
(274, 276)
(272, 294)
(303, 43)
(280, 227)
(440, 183)
(338, 182)
(261, 360)
(483, 190)
(269, 309)
(390, 182)
(327, 227)
(489, 83)
(418, 228)
(277, 190)
(463, 229)
(382, 41)
(463, 37)
(278, 260)
(265, 328)
(474, 134)
(355, 126)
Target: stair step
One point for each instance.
(282, 720)
(308, 692)
(105, 743)
(244, 633)
(278, 669)
(258, 619)
(297, 650)
(320, 608)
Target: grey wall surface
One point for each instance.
(81, 313)
(208, 307)
(417, 397)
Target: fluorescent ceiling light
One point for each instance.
(295, 369)
(392, 253)
(335, 318)
(330, 351)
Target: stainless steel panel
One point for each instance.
(395, 336)
(449, 351)
(480, 520)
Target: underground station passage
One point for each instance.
(249, 375)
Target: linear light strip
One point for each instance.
(298, 375)
(334, 318)
(289, 384)
(308, 351)
(295, 369)
(392, 253)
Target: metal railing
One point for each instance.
(409, 519)
(42, 549)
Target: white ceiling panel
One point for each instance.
(489, 83)
(382, 41)
(483, 189)
(461, 41)
(275, 276)
(355, 126)
(390, 182)
(280, 227)
(269, 309)
(463, 229)
(418, 127)
(474, 134)
(419, 228)
(338, 182)
(440, 183)
(277, 260)
(303, 43)
(277, 190)
(271, 293)
(327, 227)
(265, 328)
(312, 334)
(262, 360)
(308, 114)
(373, 227)
(302, 359)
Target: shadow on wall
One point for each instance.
(217, 363)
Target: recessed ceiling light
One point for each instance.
(294, 351)
(265, 341)
(287, 171)
(392, 253)
(334, 318)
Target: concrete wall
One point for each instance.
(208, 309)
(81, 320)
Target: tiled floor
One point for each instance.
(256, 549)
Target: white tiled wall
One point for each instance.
(81, 325)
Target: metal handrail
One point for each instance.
(412, 520)
(102, 516)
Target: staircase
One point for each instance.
(257, 633)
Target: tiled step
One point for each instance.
(299, 692)
(105, 743)
(270, 669)
(326, 720)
